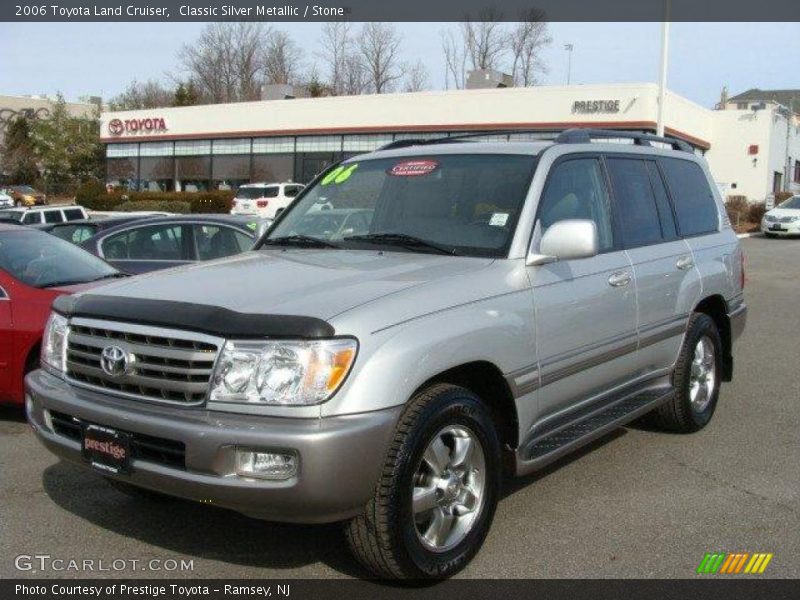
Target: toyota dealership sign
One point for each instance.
(144, 125)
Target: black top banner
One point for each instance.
(402, 10)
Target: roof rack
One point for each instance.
(585, 136)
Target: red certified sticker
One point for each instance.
(413, 168)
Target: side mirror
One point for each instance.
(567, 240)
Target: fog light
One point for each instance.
(265, 465)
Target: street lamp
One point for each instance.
(568, 48)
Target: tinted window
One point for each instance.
(31, 218)
(575, 190)
(634, 201)
(253, 193)
(73, 214)
(74, 233)
(42, 260)
(663, 204)
(156, 242)
(53, 216)
(290, 191)
(214, 241)
(692, 197)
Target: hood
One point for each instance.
(303, 282)
(784, 212)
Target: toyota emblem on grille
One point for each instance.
(114, 361)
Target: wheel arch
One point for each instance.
(716, 307)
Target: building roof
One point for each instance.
(784, 97)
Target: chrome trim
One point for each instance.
(166, 353)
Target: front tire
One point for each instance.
(696, 379)
(438, 491)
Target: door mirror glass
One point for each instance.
(567, 240)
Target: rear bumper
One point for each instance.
(340, 457)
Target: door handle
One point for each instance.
(685, 263)
(620, 278)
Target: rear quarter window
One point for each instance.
(73, 214)
(695, 208)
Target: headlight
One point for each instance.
(54, 342)
(282, 372)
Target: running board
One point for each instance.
(553, 445)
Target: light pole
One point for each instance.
(568, 48)
(662, 85)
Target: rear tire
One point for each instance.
(696, 379)
(436, 497)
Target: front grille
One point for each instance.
(143, 447)
(162, 365)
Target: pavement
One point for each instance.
(637, 503)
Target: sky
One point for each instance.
(100, 59)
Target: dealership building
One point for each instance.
(753, 146)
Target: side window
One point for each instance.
(214, 241)
(115, 247)
(53, 216)
(634, 201)
(694, 202)
(73, 214)
(575, 189)
(271, 191)
(31, 218)
(290, 191)
(157, 242)
(662, 202)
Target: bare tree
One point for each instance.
(485, 40)
(148, 94)
(355, 79)
(378, 46)
(455, 57)
(335, 47)
(416, 77)
(226, 62)
(529, 38)
(282, 58)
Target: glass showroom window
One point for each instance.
(275, 145)
(319, 143)
(229, 172)
(156, 174)
(233, 146)
(365, 143)
(193, 148)
(121, 172)
(192, 173)
(156, 149)
(273, 168)
(122, 150)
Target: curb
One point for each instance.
(746, 235)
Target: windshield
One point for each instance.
(253, 193)
(11, 214)
(24, 189)
(793, 202)
(462, 204)
(41, 260)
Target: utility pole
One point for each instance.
(662, 86)
(568, 48)
(789, 114)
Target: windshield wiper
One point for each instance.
(111, 276)
(50, 284)
(305, 241)
(402, 240)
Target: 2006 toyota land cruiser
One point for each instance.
(458, 308)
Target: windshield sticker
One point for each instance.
(252, 225)
(498, 219)
(413, 168)
(339, 175)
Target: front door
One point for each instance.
(585, 308)
(6, 336)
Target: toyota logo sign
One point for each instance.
(116, 127)
(114, 361)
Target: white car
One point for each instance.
(264, 199)
(784, 219)
(6, 201)
(40, 215)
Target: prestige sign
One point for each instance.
(134, 126)
(583, 107)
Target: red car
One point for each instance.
(35, 268)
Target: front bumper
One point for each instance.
(786, 228)
(340, 457)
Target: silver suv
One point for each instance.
(502, 305)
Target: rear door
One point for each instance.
(666, 281)
(585, 308)
(6, 335)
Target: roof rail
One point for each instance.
(585, 136)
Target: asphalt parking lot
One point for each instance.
(638, 503)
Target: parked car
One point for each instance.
(163, 242)
(35, 268)
(25, 195)
(782, 220)
(6, 201)
(335, 224)
(45, 214)
(510, 303)
(264, 199)
(79, 231)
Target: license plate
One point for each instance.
(776, 228)
(106, 449)
(248, 205)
